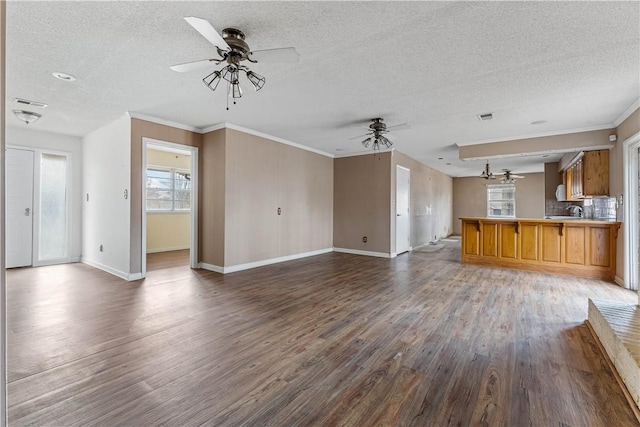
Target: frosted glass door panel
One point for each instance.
(53, 207)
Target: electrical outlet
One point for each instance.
(100, 248)
(364, 239)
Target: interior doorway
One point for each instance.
(38, 207)
(631, 211)
(169, 205)
(402, 209)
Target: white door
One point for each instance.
(19, 207)
(402, 209)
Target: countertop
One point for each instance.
(549, 219)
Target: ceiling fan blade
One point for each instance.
(284, 54)
(194, 65)
(360, 136)
(516, 176)
(390, 137)
(208, 32)
(399, 127)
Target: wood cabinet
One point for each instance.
(579, 247)
(588, 176)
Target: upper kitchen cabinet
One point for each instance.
(588, 175)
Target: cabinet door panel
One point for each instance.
(508, 241)
(471, 239)
(599, 246)
(529, 242)
(551, 242)
(574, 241)
(490, 240)
(596, 173)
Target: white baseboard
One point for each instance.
(365, 253)
(75, 259)
(176, 248)
(249, 265)
(212, 267)
(619, 281)
(111, 270)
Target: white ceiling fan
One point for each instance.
(232, 50)
(378, 136)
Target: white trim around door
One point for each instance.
(630, 210)
(193, 152)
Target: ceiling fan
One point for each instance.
(378, 135)
(486, 173)
(509, 178)
(232, 49)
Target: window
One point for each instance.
(501, 200)
(168, 189)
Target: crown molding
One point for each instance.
(626, 113)
(135, 115)
(364, 153)
(265, 136)
(214, 127)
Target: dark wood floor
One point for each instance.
(335, 339)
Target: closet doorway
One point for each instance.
(169, 205)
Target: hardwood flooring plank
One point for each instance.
(335, 339)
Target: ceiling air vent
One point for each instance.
(485, 116)
(31, 103)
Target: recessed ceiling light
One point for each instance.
(63, 76)
(448, 163)
(538, 122)
(440, 158)
(339, 149)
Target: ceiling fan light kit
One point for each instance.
(507, 176)
(376, 136)
(232, 49)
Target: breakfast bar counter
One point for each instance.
(577, 247)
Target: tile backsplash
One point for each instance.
(602, 208)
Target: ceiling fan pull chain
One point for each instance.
(228, 95)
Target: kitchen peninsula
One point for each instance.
(577, 247)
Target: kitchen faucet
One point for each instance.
(575, 210)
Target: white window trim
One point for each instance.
(173, 210)
(489, 187)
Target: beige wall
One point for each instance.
(212, 190)
(362, 202)
(245, 179)
(627, 128)
(140, 129)
(431, 201)
(168, 160)
(470, 198)
(168, 231)
(552, 178)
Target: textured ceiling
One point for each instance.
(434, 65)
